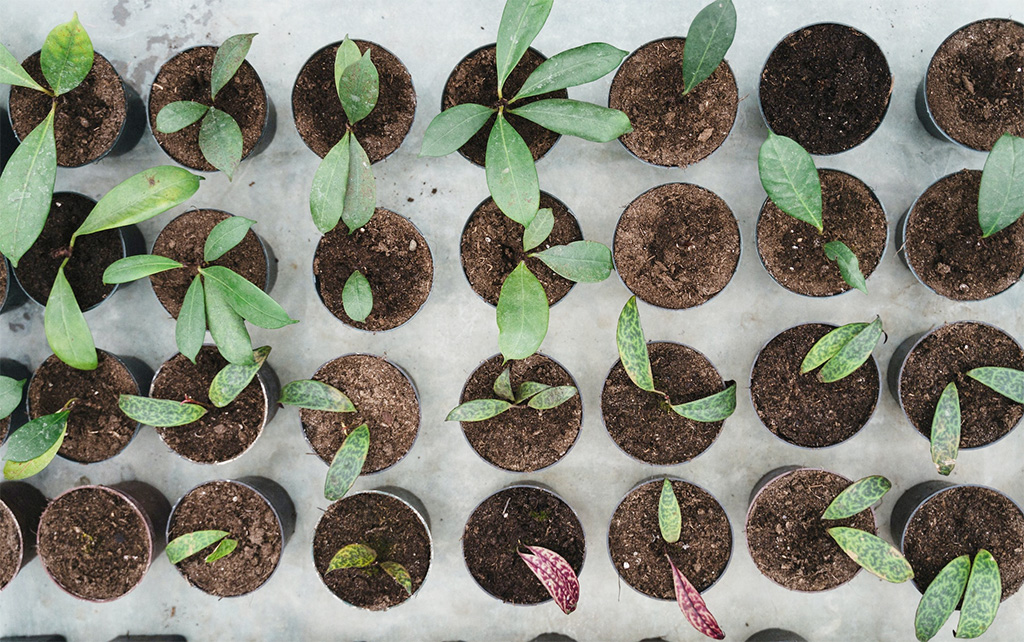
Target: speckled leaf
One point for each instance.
(246, 299)
(131, 268)
(941, 597)
(315, 395)
(873, 554)
(478, 410)
(852, 355)
(140, 198)
(226, 547)
(579, 261)
(539, 229)
(716, 407)
(1001, 195)
(347, 55)
(161, 413)
(573, 67)
(14, 470)
(511, 173)
(10, 395)
(452, 128)
(361, 192)
(66, 330)
(347, 463)
(982, 597)
(229, 57)
(233, 378)
(670, 519)
(556, 575)
(788, 175)
(359, 88)
(945, 436)
(352, 556)
(399, 574)
(576, 118)
(185, 546)
(528, 389)
(860, 495)
(67, 56)
(1006, 381)
(522, 314)
(330, 183)
(178, 115)
(36, 437)
(357, 297)
(629, 337)
(692, 605)
(12, 73)
(503, 385)
(552, 397)
(829, 345)
(709, 38)
(849, 266)
(225, 236)
(26, 190)
(226, 326)
(521, 21)
(220, 141)
(190, 330)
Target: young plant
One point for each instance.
(709, 38)
(789, 176)
(33, 446)
(842, 350)
(555, 574)
(687, 596)
(530, 394)
(361, 556)
(979, 585)
(220, 137)
(1001, 195)
(187, 545)
(629, 336)
(219, 298)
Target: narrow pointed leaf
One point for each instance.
(854, 354)
(161, 413)
(230, 56)
(502, 385)
(710, 36)
(246, 299)
(478, 410)
(945, 436)
(579, 261)
(716, 407)
(359, 88)
(226, 547)
(1001, 195)
(139, 198)
(860, 495)
(399, 574)
(556, 575)
(361, 192)
(577, 118)
(185, 546)
(352, 556)
(220, 141)
(330, 184)
(670, 519)
(692, 605)
(529, 389)
(347, 55)
(539, 229)
(10, 395)
(190, 330)
(453, 127)
(136, 267)
(226, 326)
(356, 297)
(1006, 381)
(849, 266)
(941, 597)
(511, 173)
(552, 397)
(26, 189)
(982, 597)
(522, 314)
(873, 554)
(12, 73)
(233, 378)
(788, 175)
(829, 345)
(66, 330)
(521, 21)
(67, 56)
(225, 236)
(36, 437)
(178, 115)
(315, 395)
(571, 68)
(347, 463)
(14, 470)
(629, 337)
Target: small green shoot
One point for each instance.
(361, 556)
(347, 463)
(945, 433)
(34, 445)
(185, 546)
(1001, 195)
(530, 394)
(843, 350)
(709, 38)
(858, 496)
(356, 297)
(10, 395)
(670, 520)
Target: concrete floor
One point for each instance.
(455, 330)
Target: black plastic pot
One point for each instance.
(24, 504)
(776, 635)
(14, 296)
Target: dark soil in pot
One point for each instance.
(522, 439)
(638, 551)
(321, 120)
(944, 247)
(801, 409)
(507, 521)
(89, 118)
(183, 240)
(677, 245)
(492, 246)
(793, 251)
(789, 541)
(222, 434)
(670, 129)
(385, 400)
(21, 506)
(826, 86)
(639, 422)
(392, 255)
(186, 76)
(475, 80)
(387, 525)
(946, 355)
(974, 86)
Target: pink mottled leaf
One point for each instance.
(692, 605)
(556, 575)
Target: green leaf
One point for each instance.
(522, 314)
(14, 470)
(579, 261)
(361, 191)
(453, 127)
(66, 330)
(670, 519)
(1001, 195)
(230, 56)
(187, 545)
(139, 198)
(12, 73)
(352, 556)
(1006, 381)
(358, 88)
(629, 337)
(246, 299)
(571, 68)
(709, 37)
(521, 21)
(399, 574)
(220, 141)
(552, 397)
(327, 196)
(860, 495)
(26, 190)
(233, 378)
(161, 413)
(347, 55)
(941, 597)
(315, 395)
(190, 330)
(502, 385)
(511, 173)
(854, 354)
(788, 175)
(849, 266)
(226, 547)
(982, 597)
(945, 437)
(36, 437)
(356, 297)
(347, 463)
(529, 389)
(131, 268)
(226, 326)
(577, 118)
(67, 56)
(10, 395)
(829, 345)
(539, 229)
(178, 115)
(873, 554)
(225, 236)
(716, 407)
(478, 410)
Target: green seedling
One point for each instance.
(529, 394)
(220, 137)
(10, 395)
(629, 336)
(555, 574)
(1001, 195)
(843, 350)
(218, 298)
(709, 38)
(363, 557)
(185, 546)
(980, 586)
(33, 446)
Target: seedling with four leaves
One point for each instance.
(709, 38)
(363, 557)
(529, 394)
(184, 546)
(840, 352)
(33, 446)
(978, 583)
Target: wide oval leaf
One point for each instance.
(503, 385)
(511, 173)
(352, 556)
(139, 198)
(629, 338)
(579, 261)
(788, 175)
(356, 297)
(185, 546)
(873, 554)
(521, 21)
(556, 575)
(347, 463)
(981, 598)
(849, 266)
(716, 407)
(522, 314)
(1001, 195)
(66, 330)
(453, 127)
(709, 38)
(361, 191)
(14, 470)
(26, 189)
(941, 597)
(854, 354)
(161, 413)
(693, 606)
(178, 115)
(330, 184)
(552, 397)
(478, 410)
(860, 495)
(346, 56)
(12, 73)
(226, 326)
(358, 88)
(190, 330)
(1006, 381)
(399, 574)
(571, 68)
(67, 56)
(246, 299)
(226, 547)
(220, 141)
(539, 229)
(131, 268)
(577, 118)
(315, 395)
(230, 56)
(10, 395)
(36, 437)
(829, 345)
(945, 435)
(225, 236)
(670, 519)
(233, 378)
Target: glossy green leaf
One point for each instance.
(233, 378)
(854, 354)
(190, 330)
(478, 410)
(670, 519)
(710, 36)
(579, 261)
(66, 330)
(858, 496)
(1006, 381)
(330, 184)
(511, 173)
(226, 547)
(358, 88)
(67, 56)
(539, 229)
(220, 141)
(552, 397)
(529, 389)
(453, 127)
(10, 395)
(315, 395)
(14, 470)
(161, 413)
(361, 192)
(178, 115)
(941, 597)
(503, 385)
(12, 73)
(522, 314)
(230, 56)
(788, 175)
(716, 407)
(246, 299)
(185, 546)
(347, 463)
(829, 345)
(945, 435)
(36, 437)
(226, 326)
(577, 118)
(873, 554)
(629, 337)
(225, 236)
(356, 297)
(981, 598)
(849, 266)
(1001, 195)
(26, 190)
(346, 56)
(521, 21)
(399, 574)
(352, 556)
(571, 68)
(131, 268)
(139, 198)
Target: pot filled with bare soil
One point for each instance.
(21, 506)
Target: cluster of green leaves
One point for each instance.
(361, 556)
(980, 586)
(220, 137)
(1001, 195)
(709, 38)
(629, 337)
(791, 180)
(532, 394)
(218, 298)
(184, 546)
(842, 350)
(33, 446)
(26, 185)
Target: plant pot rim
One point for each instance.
(14, 296)
(20, 548)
